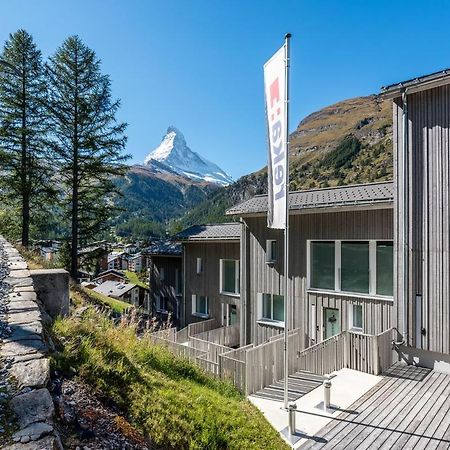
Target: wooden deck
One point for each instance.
(408, 409)
(299, 384)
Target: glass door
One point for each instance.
(332, 322)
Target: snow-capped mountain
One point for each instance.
(173, 155)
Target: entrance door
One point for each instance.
(332, 323)
(229, 314)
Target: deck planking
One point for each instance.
(408, 409)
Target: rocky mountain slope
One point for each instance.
(174, 156)
(150, 198)
(345, 143)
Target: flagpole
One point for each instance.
(286, 230)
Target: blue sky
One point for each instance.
(198, 64)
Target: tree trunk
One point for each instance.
(24, 173)
(74, 246)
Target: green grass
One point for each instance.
(134, 278)
(167, 398)
(116, 305)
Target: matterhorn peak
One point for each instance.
(174, 154)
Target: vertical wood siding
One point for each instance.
(208, 282)
(166, 287)
(370, 224)
(428, 240)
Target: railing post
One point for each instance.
(376, 356)
(346, 348)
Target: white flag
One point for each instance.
(275, 93)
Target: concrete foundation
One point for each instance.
(52, 289)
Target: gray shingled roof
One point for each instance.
(114, 289)
(356, 195)
(216, 231)
(169, 248)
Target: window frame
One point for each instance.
(237, 276)
(194, 307)
(270, 259)
(372, 294)
(351, 325)
(199, 266)
(159, 299)
(266, 320)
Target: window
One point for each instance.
(229, 276)
(161, 304)
(355, 267)
(271, 250)
(161, 273)
(200, 305)
(199, 265)
(178, 282)
(360, 267)
(322, 265)
(272, 307)
(385, 268)
(356, 318)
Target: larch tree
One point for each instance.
(87, 139)
(25, 181)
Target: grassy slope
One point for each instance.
(164, 396)
(134, 278)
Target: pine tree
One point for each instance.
(86, 138)
(25, 181)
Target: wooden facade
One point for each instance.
(207, 282)
(427, 213)
(308, 305)
(166, 281)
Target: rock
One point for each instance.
(21, 273)
(35, 406)
(23, 306)
(33, 432)
(46, 443)
(34, 373)
(24, 317)
(22, 296)
(24, 332)
(18, 348)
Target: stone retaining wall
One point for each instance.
(24, 352)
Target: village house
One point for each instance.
(135, 262)
(421, 126)
(340, 258)
(127, 292)
(110, 275)
(211, 273)
(164, 262)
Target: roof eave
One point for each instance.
(416, 85)
(385, 204)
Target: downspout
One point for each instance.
(243, 242)
(184, 284)
(405, 246)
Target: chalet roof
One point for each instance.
(164, 247)
(417, 84)
(114, 289)
(212, 232)
(358, 195)
(116, 272)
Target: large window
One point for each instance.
(355, 267)
(322, 265)
(385, 268)
(200, 305)
(360, 267)
(229, 276)
(272, 307)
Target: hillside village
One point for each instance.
(164, 305)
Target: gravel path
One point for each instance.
(5, 389)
